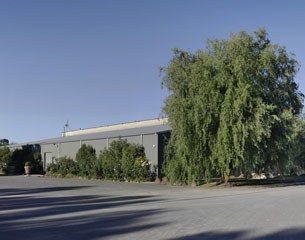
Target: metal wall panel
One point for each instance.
(69, 149)
(98, 145)
(114, 139)
(134, 139)
(150, 143)
(49, 152)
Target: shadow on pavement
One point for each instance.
(22, 191)
(24, 214)
(288, 234)
(270, 183)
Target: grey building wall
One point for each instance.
(69, 149)
(147, 136)
(134, 139)
(98, 145)
(150, 143)
(48, 153)
(112, 139)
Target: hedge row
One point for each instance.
(122, 161)
(13, 161)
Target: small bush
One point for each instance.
(142, 169)
(105, 165)
(5, 158)
(67, 166)
(36, 163)
(28, 153)
(109, 164)
(135, 166)
(63, 166)
(52, 168)
(128, 162)
(116, 152)
(123, 161)
(86, 161)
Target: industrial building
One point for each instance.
(151, 134)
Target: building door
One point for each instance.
(47, 159)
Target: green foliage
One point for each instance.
(52, 168)
(28, 153)
(135, 166)
(129, 154)
(116, 152)
(174, 167)
(4, 142)
(230, 106)
(19, 157)
(66, 166)
(142, 169)
(86, 159)
(123, 161)
(5, 158)
(36, 162)
(110, 160)
(27, 164)
(296, 148)
(105, 165)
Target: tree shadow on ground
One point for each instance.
(25, 214)
(270, 183)
(23, 191)
(286, 234)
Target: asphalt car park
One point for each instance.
(38, 207)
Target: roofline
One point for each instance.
(118, 126)
(100, 135)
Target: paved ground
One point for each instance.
(46, 208)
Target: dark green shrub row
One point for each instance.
(13, 162)
(122, 162)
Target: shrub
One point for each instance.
(135, 166)
(105, 165)
(66, 166)
(86, 160)
(142, 168)
(123, 161)
(5, 158)
(52, 168)
(63, 166)
(128, 162)
(29, 153)
(116, 152)
(18, 160)
(110, 160)
(37, 166)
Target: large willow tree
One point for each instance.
(230, 106)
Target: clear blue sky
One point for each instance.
(97, 62)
